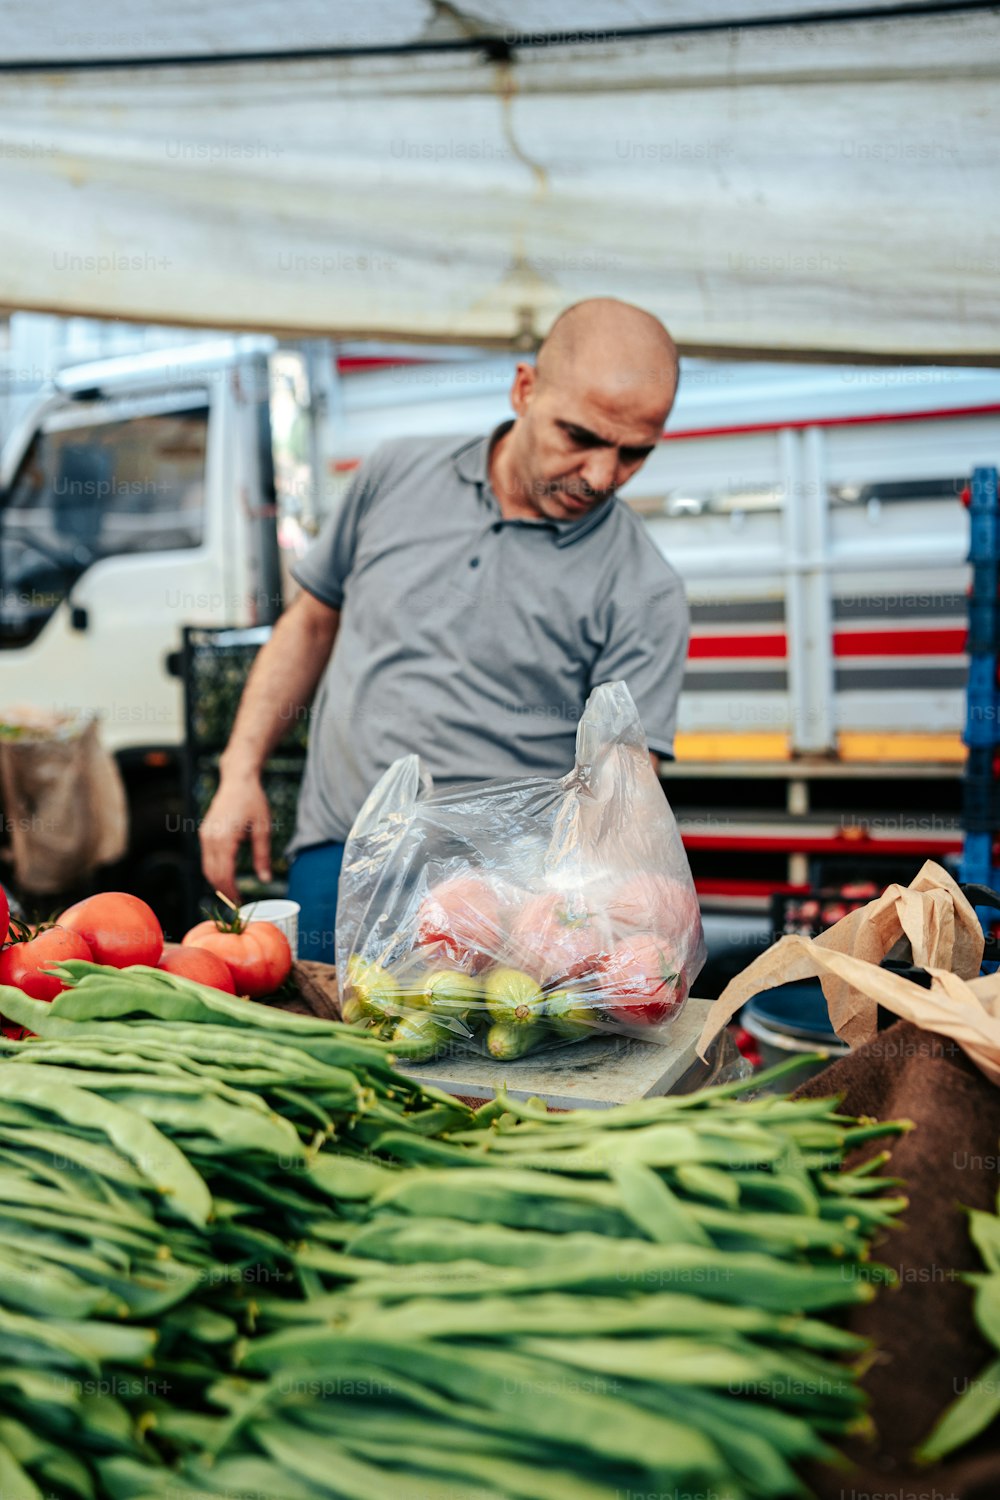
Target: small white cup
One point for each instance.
(281, 913)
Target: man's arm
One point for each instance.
(280, 686)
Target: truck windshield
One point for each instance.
(92, 491)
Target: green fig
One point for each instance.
(421, 1036)
(506, 1040)
(514, 998)
(569, 1015)
(352, 1011)
(453, 994)
(378, 993)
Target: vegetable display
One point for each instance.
(121, 931)
(511, 916)
(243, 1253)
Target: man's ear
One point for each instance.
(523, 388)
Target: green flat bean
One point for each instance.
(525, 1481)
(147, 1148)
(509, 1385)
(245, 1475)
(60, 1346)
(791, 1434)
(658, 1212)
(15, 1482)
(701, 1181)
(330, 1466)
(64, 1472)
(32, 1285)
(18, 1187)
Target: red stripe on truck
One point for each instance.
(798, 423)
(947, 642)
(703, 646)
(345, 465)
(944, 642)
(858, 843)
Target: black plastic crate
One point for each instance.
(808, 913)
(282, 778)
(217, 664)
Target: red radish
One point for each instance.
(641, 982)
(201, 966)
(4, 915)
(460, 923)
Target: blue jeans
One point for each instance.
(312, 882)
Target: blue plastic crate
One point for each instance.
(983, 535)
(983, 493)
(977, 860)
(985, 582)
(982, 722)
(984, 627)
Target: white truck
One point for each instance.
(813, 512)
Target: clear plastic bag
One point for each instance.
(509, 916)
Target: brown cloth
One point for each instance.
(64, 805)
(316, 987)
(926, 1341)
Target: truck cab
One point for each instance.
(136, 497)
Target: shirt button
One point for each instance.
(473, 562)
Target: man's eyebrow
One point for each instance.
(575, 430)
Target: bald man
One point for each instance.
(463, 602)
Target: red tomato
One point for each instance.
(654, 903)
(23, 965)
(460, 922)
(200, 965)
(4, 915)
(258, 957)
(556, 938)
(641, 984)
(120, 929)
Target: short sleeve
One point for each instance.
(324, 570)
(646, 648)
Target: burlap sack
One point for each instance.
(64, 807)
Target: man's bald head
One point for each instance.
(590, 411)
(631, 349)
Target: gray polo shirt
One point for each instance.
(473, 640)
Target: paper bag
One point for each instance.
(945, 938)
(63, 802)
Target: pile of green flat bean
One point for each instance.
(241, 1253)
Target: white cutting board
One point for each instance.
(595, 1074)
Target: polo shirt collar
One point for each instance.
(471, 462)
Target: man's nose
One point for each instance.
(599, 471)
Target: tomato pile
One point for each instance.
(118, 929)
(526, 968)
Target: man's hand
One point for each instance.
(281, 683)
(238, 810)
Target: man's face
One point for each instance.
(580, 437)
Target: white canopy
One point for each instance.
(799, 187)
